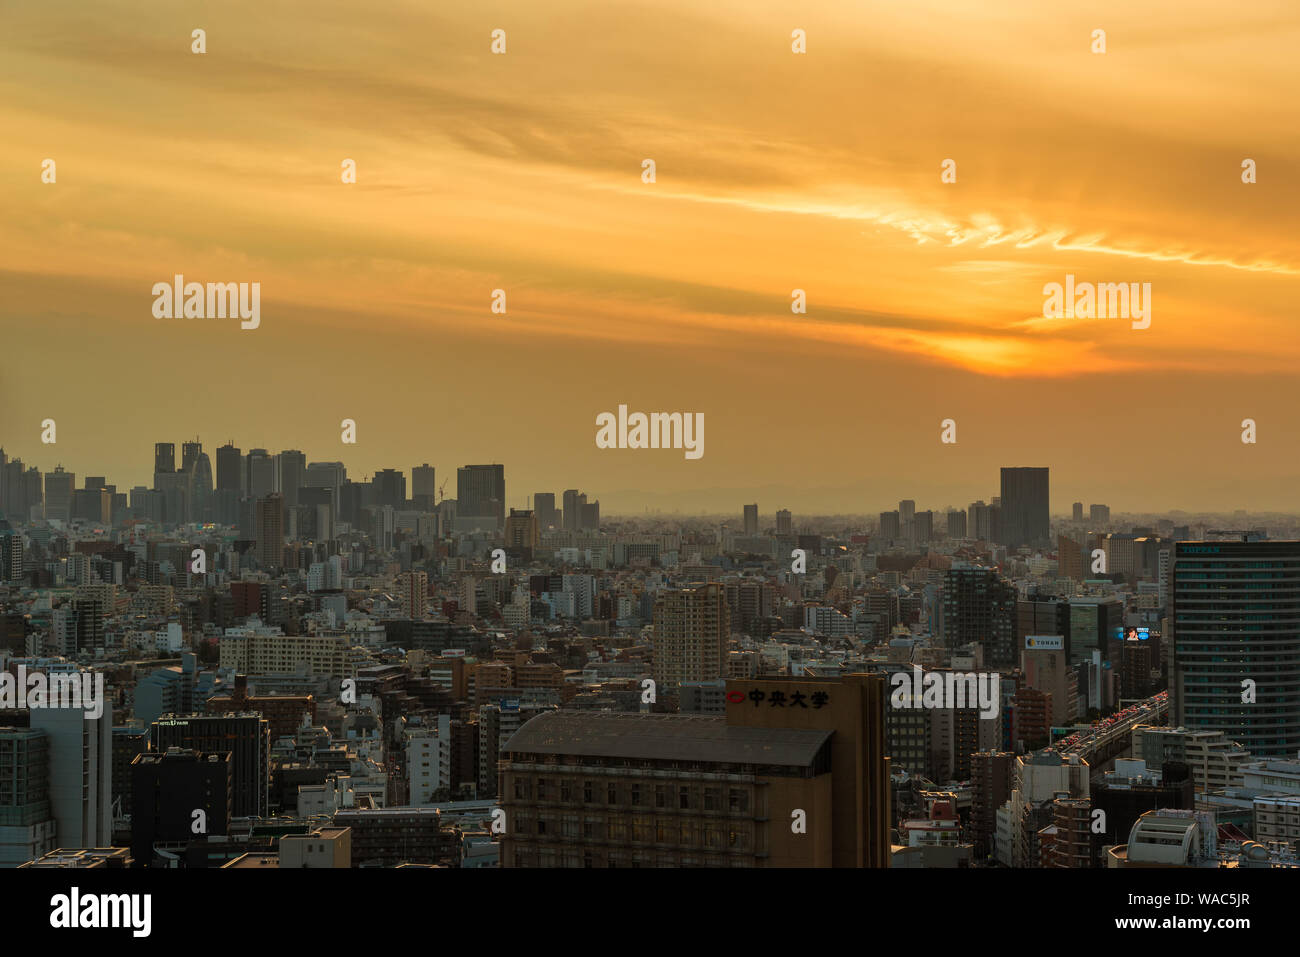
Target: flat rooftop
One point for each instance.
(666, 737)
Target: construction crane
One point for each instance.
(441, 490)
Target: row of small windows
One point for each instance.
(682, 797)
(587, 858)
(641, 830)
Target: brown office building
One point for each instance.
(793, 775)
(283, 713)
(391, 836)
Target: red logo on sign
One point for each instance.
(735, 697)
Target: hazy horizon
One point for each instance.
(775, 171)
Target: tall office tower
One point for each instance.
(27, 826)
(1076, 515)
(751, 519)
(590, 517)
(92, 504)
(980, 608)
(247, 736)
(1025, 516)
(58, 494)
(906, 511)
(891, 528)
(424, 487)
(522, 530)
(11, 551)
(956, 523)
(291, 470)
(413, 593)
(923, 527)
(269, 517)
(12, 499)
(784, 522)
(33, 492)
(691, 630)
(261, 479)
(353, 497)
(189, 454)
(228, 468)
(175, 493)
(544, 509)
(330, 475)
(164, 457)
(196, 464)
(390, 488)
(81, 772)
(481, 493)
(1235, 617)
(573, 502)
(978, 523)
(1099, 517)
(168, 787)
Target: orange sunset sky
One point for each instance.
(775, 171)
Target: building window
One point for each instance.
(586, 792)
(738, 800)
(661, 796)
(613, 794)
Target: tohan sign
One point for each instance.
(1045, 642)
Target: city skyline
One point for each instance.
(842, 500)
(776, 172)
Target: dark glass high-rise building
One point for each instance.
(481, 492)
(167, 788)
(573, 501)
(544, 508)
(424, 487)
(246, 736)
(228, 473)
(1235, 618)
(1025, 516)
(980, 608)
(269, 517)
(260, 478)
(390, 488)
(164, 457)
(196, 464)
(291, 466)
